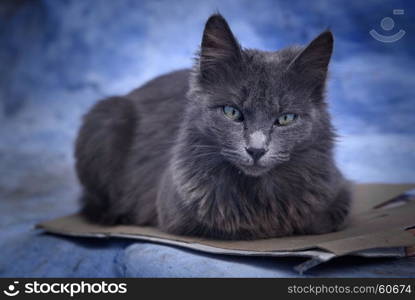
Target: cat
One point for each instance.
(239, 147)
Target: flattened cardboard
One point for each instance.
(369, 228)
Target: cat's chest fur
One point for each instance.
(226, 203)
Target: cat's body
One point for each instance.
(166, 154)
(123, 148)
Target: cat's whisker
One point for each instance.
(229, 154)
(204, 154)
(225, 151)
(202, 145)
(280, 157)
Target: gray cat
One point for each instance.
(239, 147)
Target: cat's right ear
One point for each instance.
(315, 57)
(219, 47)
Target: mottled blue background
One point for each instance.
(58, 57)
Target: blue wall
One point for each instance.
(58, 57)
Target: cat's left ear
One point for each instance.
(315, 57)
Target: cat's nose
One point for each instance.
(256, 153)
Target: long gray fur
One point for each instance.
(166, 155)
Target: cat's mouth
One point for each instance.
(262, 166)
(252, 167)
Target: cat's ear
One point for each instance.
(219, 46)
(315, 57)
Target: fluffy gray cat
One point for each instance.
(239, 147)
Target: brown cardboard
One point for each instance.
(369, 228)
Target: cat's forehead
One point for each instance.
(270, 61)
(264, 84)
(277, 59)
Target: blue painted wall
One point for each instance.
(59, 57)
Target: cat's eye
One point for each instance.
(286, 119)
(232, 113)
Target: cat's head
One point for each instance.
(259, 108)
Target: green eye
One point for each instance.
(232, 113)
(286, 119)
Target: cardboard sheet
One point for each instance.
(381, 217)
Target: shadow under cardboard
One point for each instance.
(380, 229)
(249, 266)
